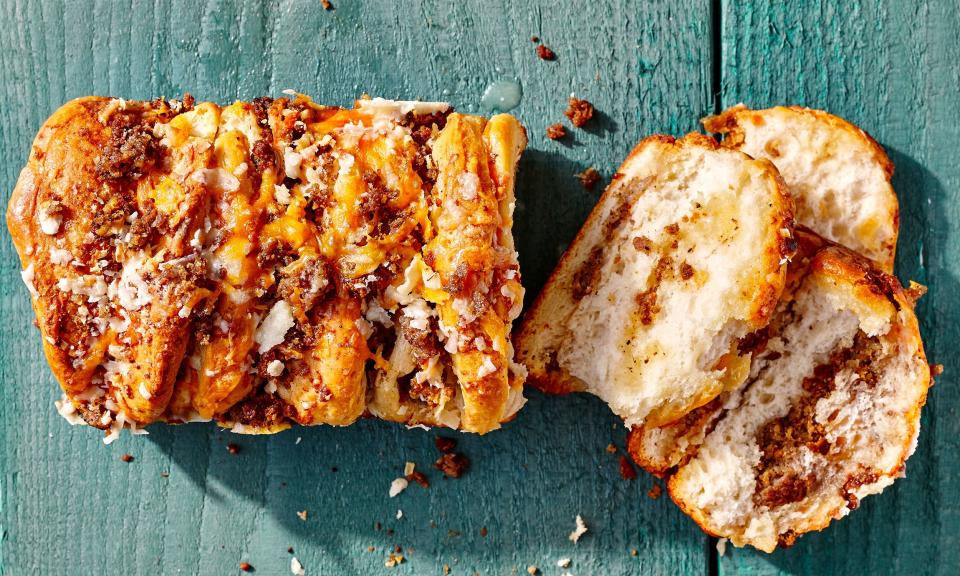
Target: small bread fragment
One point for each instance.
(828, 416)
(682, 257)
(838, 176)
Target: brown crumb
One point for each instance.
(445, 445)
(377, 526)
(127, 458)
(397, 549)
(394, 560)
(290, 550)
(389, 531)
(686, 270)
(446, 569)
(556, 131)
(418, 477)
(233, 448)
(302, 515)
(611, 449)
(588, 178)
(545, 53)
(452, 464)
(626, 469)
(532, 570)
(579, 111)
(371, 549)
(655, 492)
(535, 39)
(936, 370)
(246, 567)
(642, 244)
(483, 531)
(326, 4)
(633, 552)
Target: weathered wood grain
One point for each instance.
(891, 67)
(68, 505)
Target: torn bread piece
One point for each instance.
(683, 257)
(660, 449)
(829, 415)
(274, 262)
(839, 177)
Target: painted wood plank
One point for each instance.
(187, 506)
(892, 68)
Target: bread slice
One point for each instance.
(681, 258)
(838, 176)
(828, 416)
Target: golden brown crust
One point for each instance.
(272, 244)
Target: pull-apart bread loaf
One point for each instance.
(838, 176)
(828, 415)
(682, 258)
(274, 262)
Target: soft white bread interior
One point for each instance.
(828, 416)
(660, 449)
(682, 257)
(838, 175)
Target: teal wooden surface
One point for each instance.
(69, 505)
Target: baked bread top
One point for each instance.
(683, 256)
(838, 176)
(274, 261)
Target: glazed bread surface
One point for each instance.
(274, 262)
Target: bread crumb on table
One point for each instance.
(579, 111)
(563, 563)
(394, 560)
(556, 131)
(452, 464)
(545, 53)
(397, 486)
(588, 178)
(420, 478)
(579, 531)
(655, 492)
(296, 568)
(444, 444)
(246, 567)
(127, 458)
